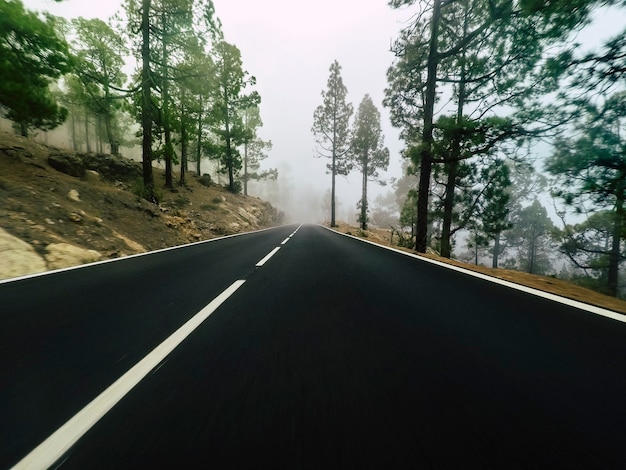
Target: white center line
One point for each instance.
(50, 450)
(268, 256)
(285, 240)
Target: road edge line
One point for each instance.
(529, 290)
(134, 255)
(60, 441)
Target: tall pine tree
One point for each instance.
(331, 128)
(367, 153)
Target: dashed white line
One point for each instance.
(268, 256)
(53, 448)
(286, 240)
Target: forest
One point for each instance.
(474, 87)
(189, 95)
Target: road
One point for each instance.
(330, 353)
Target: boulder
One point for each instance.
(64, 255)
(17, 257)
(68, 164)
(111, 167)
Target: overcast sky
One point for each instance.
(289, 45)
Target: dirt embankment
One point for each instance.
(59, 209)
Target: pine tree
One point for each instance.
(595, 168)
(487, 54)
(331, 128)
(367, 153)
(99, 52)
(254, 149)
(32, 55)
(228, 108)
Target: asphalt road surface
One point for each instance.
(330, 353)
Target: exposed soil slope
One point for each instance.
(48, 208)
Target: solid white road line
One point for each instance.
(50, 450)
(136, 255)
(267, 257)
(529, 290)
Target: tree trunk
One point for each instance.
(332, 194)
(73, 130)
(364, 198)
(616, 238)
(496, 250)
(146, 102)
(169, 148)
(183, 147)
(476, 248)
(245, 168)
(229, 159)
(87, 143)
(99, 134)
(113, 144)
(426, 157)
(455, 155)
(531, 252)
(448, 206)
(199, 142)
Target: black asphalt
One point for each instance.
(334, 354)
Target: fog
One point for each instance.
(289, 46)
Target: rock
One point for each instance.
(205, 180)
(92, 176)
(73, 195)
(17, 257)
(64, 255)
(249, 218)
(68, 164)
(111, 167)
(174, 222)
(74, 217)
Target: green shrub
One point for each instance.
(140, 190)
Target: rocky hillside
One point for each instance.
(59, 209)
